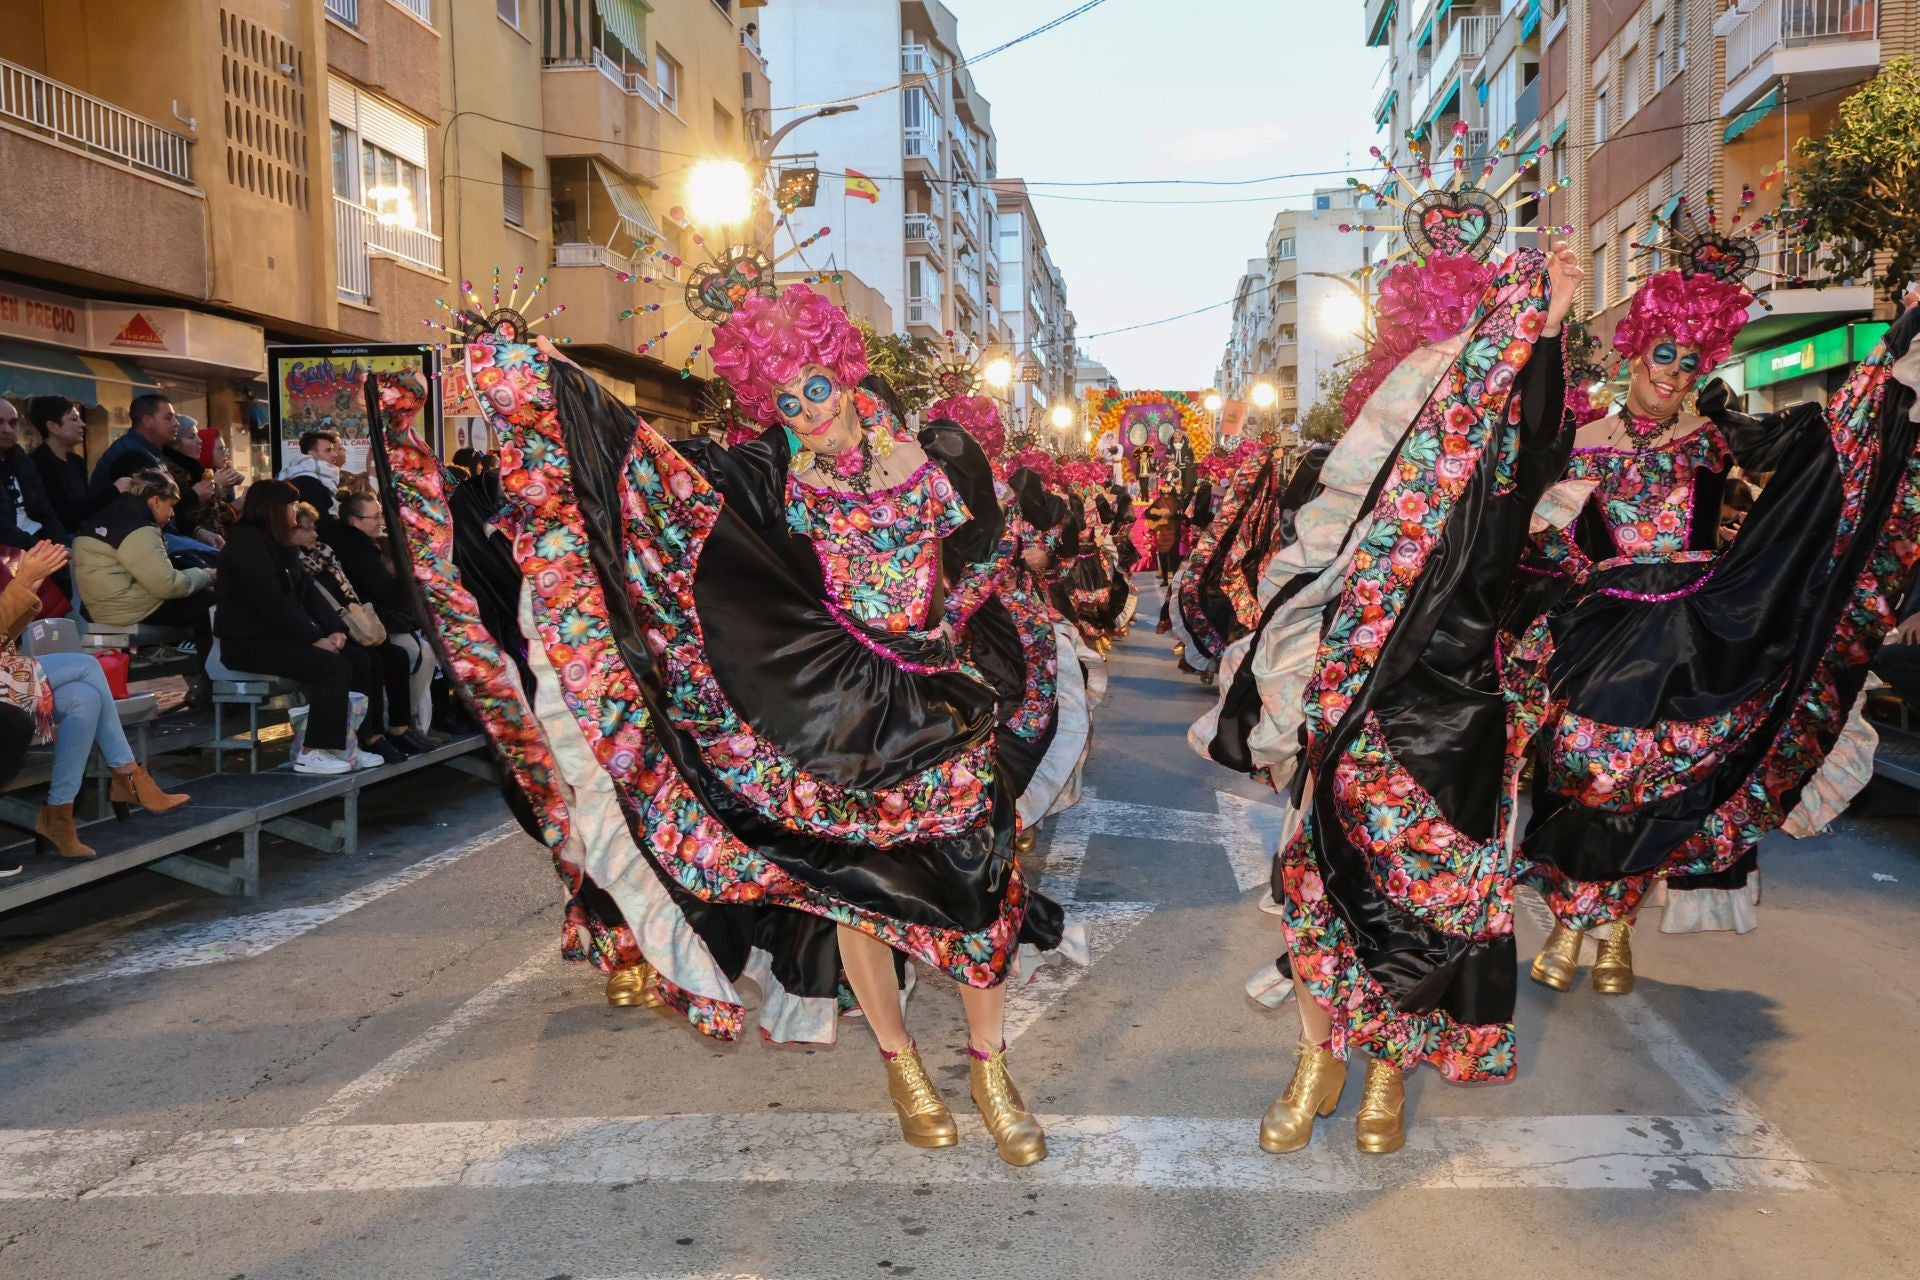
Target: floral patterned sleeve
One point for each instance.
(946, 513)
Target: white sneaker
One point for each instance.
(366, 759)
(318, 761)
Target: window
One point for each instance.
(722, 126)
(666, 79)
(393, 188)
(1660, 53)
(1680, 37)
(379, 155)
(1323, 202)
(509, 11)
(1283, 250)
(1599, 277)
(1629, 84)
(345, 171)
(513, 191)
(1599, 116)
(1286, 291)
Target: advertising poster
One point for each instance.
(323, 388)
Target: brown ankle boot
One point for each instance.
(134, 784)
(55, 826)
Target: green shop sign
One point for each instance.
(1844, 345)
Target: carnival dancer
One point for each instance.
(1692, 695)
(1402, 712)
(748, 723)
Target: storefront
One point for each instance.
(1809, 368)
(104, 354)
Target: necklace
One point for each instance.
(855, 466)
(1643, 430)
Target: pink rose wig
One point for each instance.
(978, 416)
(766, 343)
(1701, 310)
(1419, 303)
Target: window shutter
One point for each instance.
(391, 130)
(513, 193)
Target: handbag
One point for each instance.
(363, 624)
(24, 685)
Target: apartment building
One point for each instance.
(1436, 52)
(178, 193)
(1298, 311)
(1646, 102)
(1090, 375)
(1033, 304)
(922, 229)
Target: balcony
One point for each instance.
(1821, 44)
(921, 147)
(1526, 108)
(359, 234)
(924, 311)
(347, 11)
(1804, 287)
(917, 60)
(1465, 45)
(93, 125)
(590, 255)
(922, 227)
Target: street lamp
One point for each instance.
(1213, 402)
(767, 147)
(1344, 315)
(1061, 418)
(999, 373)
(1263, 395)
(720, 193)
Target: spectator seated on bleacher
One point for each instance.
(124, 576)
(26, 517)
(316, 472)
(387, 729)
(63, 472)
(274, 620)
(71, 701)
(16, 735)
(359, 542)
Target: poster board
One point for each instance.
(323, 388)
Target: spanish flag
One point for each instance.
(861, 187)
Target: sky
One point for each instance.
(1216, 89)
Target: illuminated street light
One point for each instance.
(999, 373)
(1344, 313)
(1264, 396)
(720, 193)
(1061, 417)
(1213, 402)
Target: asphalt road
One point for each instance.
(382, 1068)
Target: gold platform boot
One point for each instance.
(1318, 1077)
(1555, 964)
(627, 988)
(1015, 1131)
(1381, 1125)
(924, 1118)
(1613, 969)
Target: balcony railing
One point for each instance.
(924, 311)
(359, 233)
(347, 11)
(916, 60)
(92, 124)
(1799, 268)
(1526, 107)
(922, 144)
(589, 255)
(421, 9)
(921, 226)
(1791, 24)
(1465, 45)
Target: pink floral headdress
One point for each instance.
(767, 341)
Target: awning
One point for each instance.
(1386, 108)
(1383, 29)
(1445, 101)
(121, 374)
(1752, 115)
(1531, 22)
(633, 211)
(1667, 209)
(45, 371)
(1426, 32)
(625, 21)
(1559, 132)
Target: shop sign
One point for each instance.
(1797, 359)
(42, 317)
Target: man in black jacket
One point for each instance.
(26, 517)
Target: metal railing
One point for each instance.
(359, 233)
(1465, 45)
(922, 144)
(1787, 24)
(589, 255)
(1799, 268)
(916, 60)
(66, 114)
(923, 311)
(921, 226)
(347, 11)
(421, 9)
